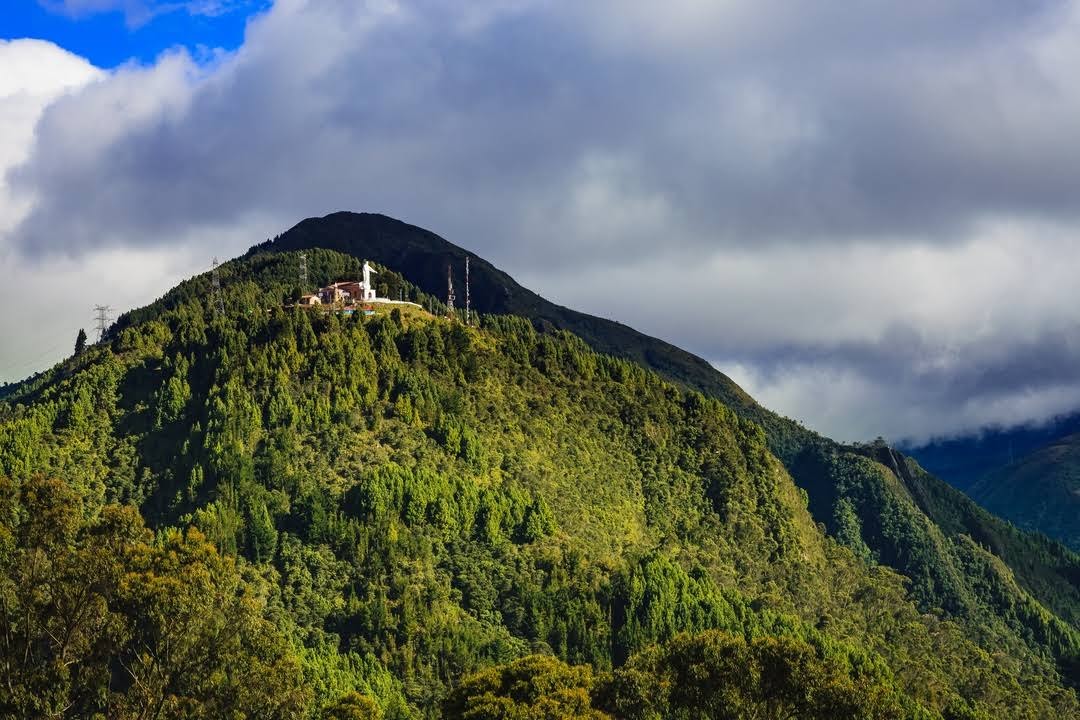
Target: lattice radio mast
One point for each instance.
(449, 291)
(303, 273)
(102, 320)
(215, 289)
(468, 299)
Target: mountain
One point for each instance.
(424, 258)
(1027, 475)
(1041, 491)
(964, 460)
(274, 511)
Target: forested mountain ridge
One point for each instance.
(1029, 475)
(393, 503)
(1039, 491)
(964, 460)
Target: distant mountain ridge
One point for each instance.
(1040, 492)
(1029, 475)
(966, 459)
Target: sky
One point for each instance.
(866, 213)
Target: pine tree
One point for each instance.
(80, 342)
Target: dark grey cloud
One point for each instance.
(813, 126)
(860, 341)
(789, 166)
(860, 390)
(991, 368)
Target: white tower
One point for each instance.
(369, 292)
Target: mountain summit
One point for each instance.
(240, 506)
(423, 257)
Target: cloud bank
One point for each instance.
(866, 212)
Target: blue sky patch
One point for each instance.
(129, 30)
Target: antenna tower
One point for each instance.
(215, 285)
(449, 292)
(103, 320)
(468, 299)
(303, 273)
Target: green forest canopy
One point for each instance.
(275, 512)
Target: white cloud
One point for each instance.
(47, 302)
(33, 74)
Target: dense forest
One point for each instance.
(278, 512)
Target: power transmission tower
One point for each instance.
(215, 292)
(303, 273)
(103, 320)
(449, 291)
(468, 298)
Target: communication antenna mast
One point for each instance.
(468, 299)
(449, 291)
(103, 320)
(215, 285)
(303, 273)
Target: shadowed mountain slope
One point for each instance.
(964, 461)
(1040, 491)
(1028, 475)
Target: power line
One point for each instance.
(468, 299)
(303, 273)
(103, 320)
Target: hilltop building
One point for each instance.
(335, 294)
(349, 292)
